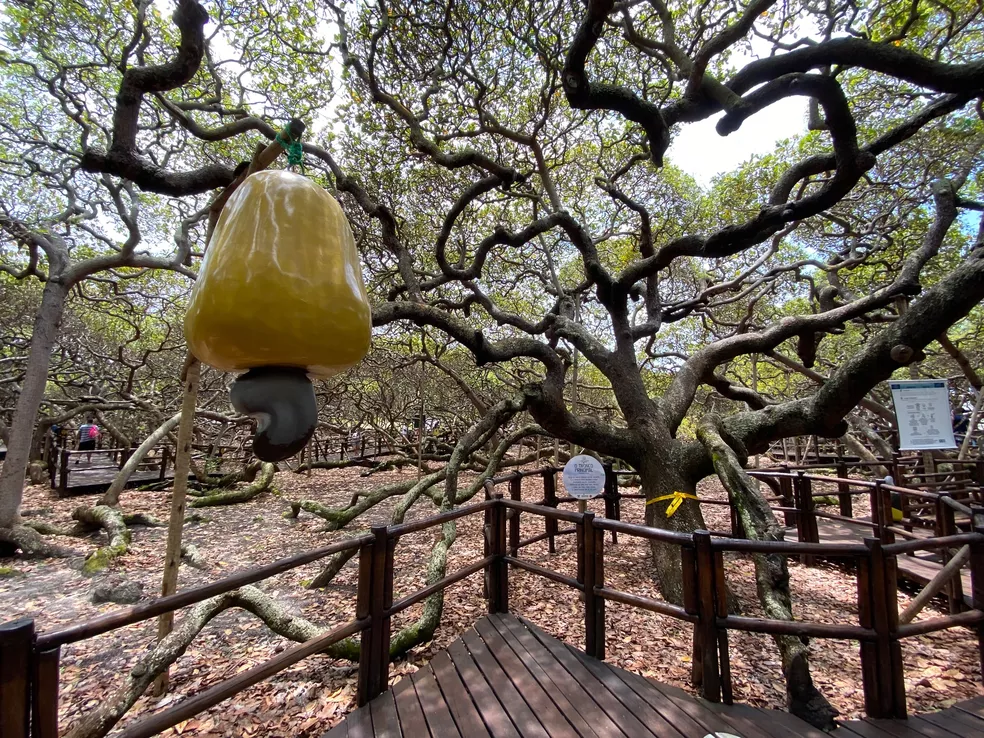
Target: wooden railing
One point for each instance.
(65, 462)
(29, 661)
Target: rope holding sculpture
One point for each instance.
(280, 297)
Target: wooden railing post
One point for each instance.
(689, 565)
(806, 521)
(165, 457)
(63, 470)
(610, 495)
(550, 500)
(898, 476)
(845, 502)
(44, 697)
(868, 649)
(947, 526)
(721, 611)
(977, 577)
(16, 647)
(786, 492)
(889, 693)
(591, 573)
(374, 598)
(498, 570)
(885, 517)
(874, 501)
(706, 613)
(515, 493)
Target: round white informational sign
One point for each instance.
(584, 477)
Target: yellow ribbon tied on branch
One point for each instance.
(677, 497)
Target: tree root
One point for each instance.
(31, 544)
(261, 483)
(111, 520)
(771, 575)
(334, 565)
(144, 519)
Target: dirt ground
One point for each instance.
(315, 694)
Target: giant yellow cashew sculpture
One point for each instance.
(279, 296)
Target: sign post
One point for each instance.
(922, 407)
(584, 478)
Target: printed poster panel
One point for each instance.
(923, 410)
(584, 477)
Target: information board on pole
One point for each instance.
(922, 407)
(584, 477)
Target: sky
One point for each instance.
(698, 149)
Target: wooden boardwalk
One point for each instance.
(508, 679)
(88, 476)
(919, 568)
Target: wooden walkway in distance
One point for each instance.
(506, 678)
(919, 568)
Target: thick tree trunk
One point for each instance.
(660, 478)
(31, 394)
(112, 495)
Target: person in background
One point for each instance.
(88, 435)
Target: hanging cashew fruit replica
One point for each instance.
(279, 296)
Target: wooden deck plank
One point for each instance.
(956, 721)
(859, 728)
(652, 718)
(764, 720)
(699, 711)
(360, 723)
(436, 710)
(909, 728)
(972, 707)
(619, 714)
(412, 721)
(493, 715)
(506, 678)
(946, 726)
(667, 707)
(540, 660)
(539, 701)
(460, 703)
(385, 721)
(553, 691)
(523, 717)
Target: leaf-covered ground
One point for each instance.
(309, 698)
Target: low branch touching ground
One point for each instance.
(771, 574)
(332, 567)
(231, 497)
(110, 520)
(31, 544)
